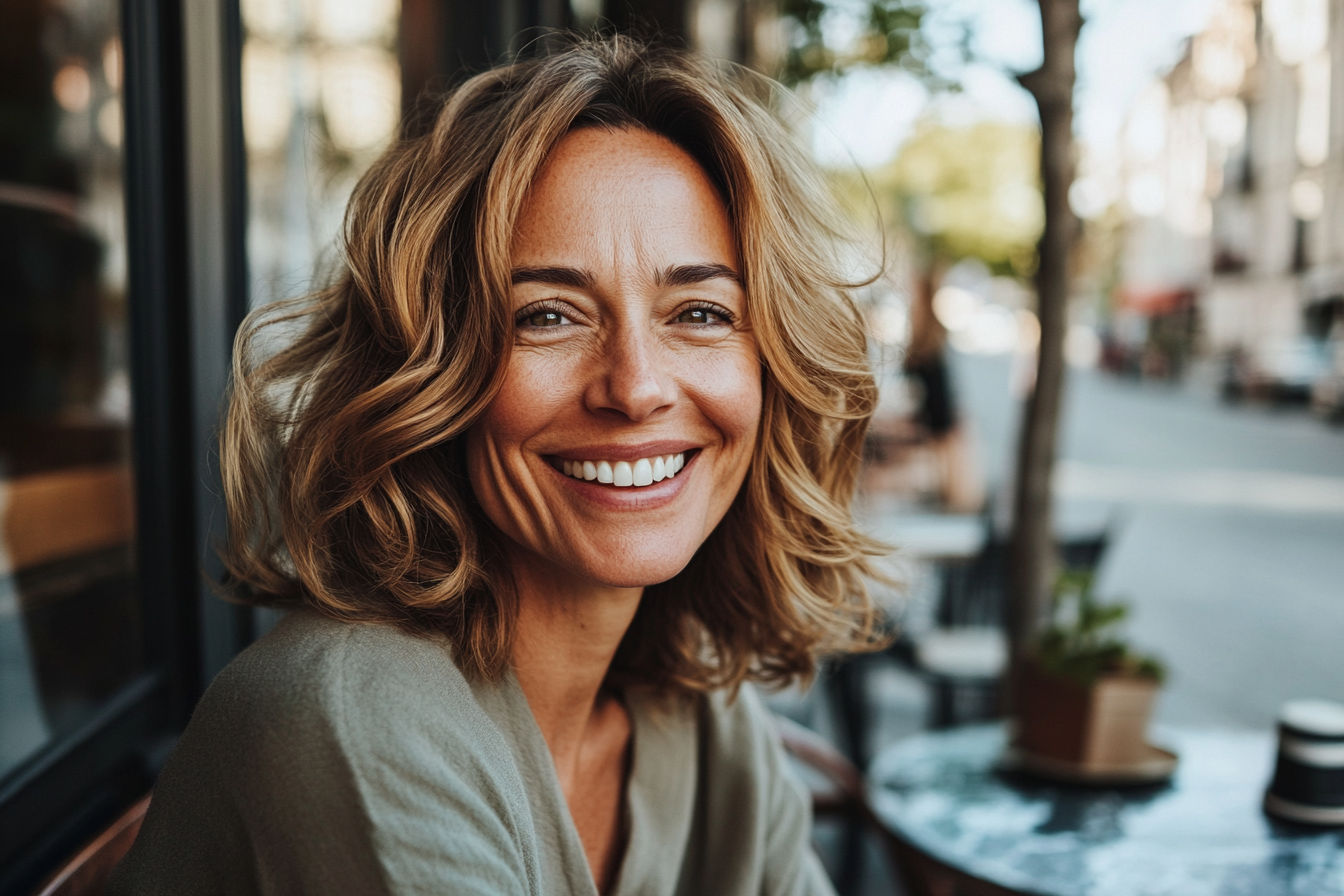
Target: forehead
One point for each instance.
(619, 191)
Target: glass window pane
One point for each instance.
(321, 99)
(69, 624)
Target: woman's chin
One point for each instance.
(591, 558)
(626, 569)
(635, 575)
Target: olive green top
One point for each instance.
(335, 758)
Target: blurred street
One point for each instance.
(1228, 531)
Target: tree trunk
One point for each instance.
(1032, 550)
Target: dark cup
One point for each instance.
(1308, 785)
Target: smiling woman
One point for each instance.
(561, 461)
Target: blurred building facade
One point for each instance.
(1234, 183)
(1278, 234)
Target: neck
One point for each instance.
(567, 634)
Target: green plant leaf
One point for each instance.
(1082, 642)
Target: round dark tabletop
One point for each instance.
(1201, 834)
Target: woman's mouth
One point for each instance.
(623, 473)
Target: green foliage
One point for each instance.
(1081, 642)
(969, 192)
(890, 36)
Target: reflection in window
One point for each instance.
(69, 629)
(321, 99)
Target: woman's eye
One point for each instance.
(543, 319)
(702, 316)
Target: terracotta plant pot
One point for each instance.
(1098, 727)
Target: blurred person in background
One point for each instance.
(925, 367)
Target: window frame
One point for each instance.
(179, 341)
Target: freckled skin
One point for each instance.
(622, 205)
(623, 358)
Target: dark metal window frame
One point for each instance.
(73, 788)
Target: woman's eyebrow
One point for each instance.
(571, 277)
(686, 274)
(676, 275)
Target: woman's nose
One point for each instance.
(633, 380)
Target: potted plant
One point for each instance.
(1085, 697)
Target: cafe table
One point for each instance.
(1202, 833)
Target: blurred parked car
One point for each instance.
(1280, 372)
(1327, 397)
(1327, 393)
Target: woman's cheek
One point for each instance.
(539, 384)
(730, 390)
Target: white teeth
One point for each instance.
(623, 473)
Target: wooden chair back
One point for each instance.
(86, 873)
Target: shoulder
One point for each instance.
(308, 657)
(352, 750)
(315, 689)
(311, 668)
(318, 702)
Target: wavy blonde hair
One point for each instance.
(342, 451)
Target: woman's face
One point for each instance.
(632, 397)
